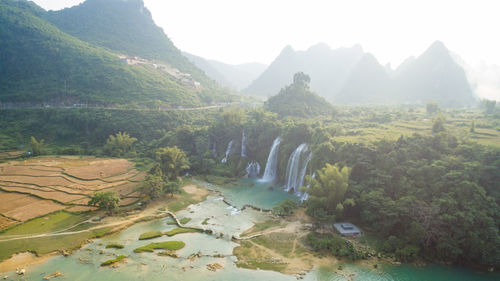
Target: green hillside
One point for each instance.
(297, 100)
(126, 27)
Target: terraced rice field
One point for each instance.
(38, 186)
(11, 155)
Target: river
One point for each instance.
(229, 221)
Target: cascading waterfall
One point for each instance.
(304, 196)
(253, 169)
(272, 162)
(243, 145)
(303, 174)
(296, 169)
(228, 151)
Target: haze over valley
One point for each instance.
(222, 140)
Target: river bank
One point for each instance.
(154, 210)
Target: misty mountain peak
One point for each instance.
(288, 50)
(319, 48)
(369, 59)
(437, 49)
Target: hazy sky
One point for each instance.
(236, 31)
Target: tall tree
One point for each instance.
(172, 162)
(327, 191)
(154, 186)
(107, 200)
(119, 144)
(36, 147)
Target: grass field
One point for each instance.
(50, 223)
(369, 124)
(45, 245)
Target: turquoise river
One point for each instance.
(84, 264)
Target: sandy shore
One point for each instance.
(23, 260)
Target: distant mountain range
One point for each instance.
(235, 77)
(327, 68)
(351, 76)
(103, 52)
(110, 52)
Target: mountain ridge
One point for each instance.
(237, 76)
(42, 64)
(351, 76)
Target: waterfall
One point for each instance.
(305, 195)
(253, 169)
(228, 151)
(272, 162)
(243, 145)
(296, 169)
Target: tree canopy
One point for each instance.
(107, 200)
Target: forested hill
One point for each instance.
(297, 100)
(124, 26)
(42, 64)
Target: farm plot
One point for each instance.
(6, 222)
(11, 155)
(42, 185)
(24, 207)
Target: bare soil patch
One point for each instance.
(50, 195)
(11, 154)
(138, 177)
(24, 207)
(70, 179)
(97, 169)
(6, 222)
(22, 260)
(196, 191)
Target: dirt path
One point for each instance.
(294, 227)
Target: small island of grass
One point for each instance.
(168, 245)
(113, 261)
(151, 235)
(114, 245)
(180, 230)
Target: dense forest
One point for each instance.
(43, 65)
(430, 195)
